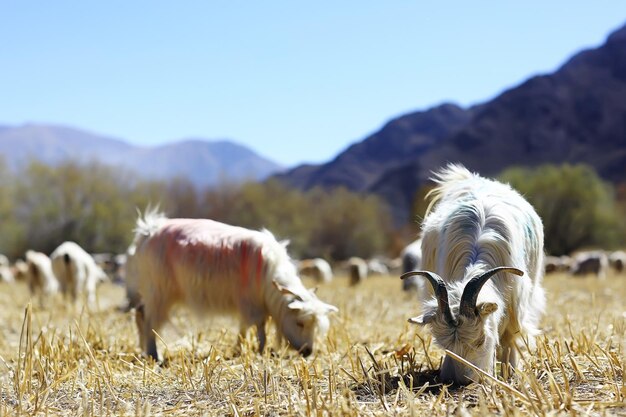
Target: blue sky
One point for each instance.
(295, 81)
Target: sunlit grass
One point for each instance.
(60, 359)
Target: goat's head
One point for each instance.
(304, 317)
(465, 326)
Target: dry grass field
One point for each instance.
(58, 359)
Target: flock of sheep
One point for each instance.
(477, 270)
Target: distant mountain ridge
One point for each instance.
(202, 162)
(576, 114)
(359, 166)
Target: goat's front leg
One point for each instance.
(252, 316)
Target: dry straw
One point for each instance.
(60, 360)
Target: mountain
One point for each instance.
(576, 114)
(397, 143)
(201, 161)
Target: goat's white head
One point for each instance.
(305, 317)
(465, 327)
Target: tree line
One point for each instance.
(97, 206)
(579, 210)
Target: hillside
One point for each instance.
(397, 143)
(576, 114)
(203, 162)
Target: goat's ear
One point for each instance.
(423, 319)
(285, 290)
(485, 309)
(331, 308)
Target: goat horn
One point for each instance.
(441, 291)
(473, 287)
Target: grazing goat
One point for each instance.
(411, 260)
(617, 260)
(211, 266)
(40, 278)
(357, 269)
(477, 234)
(591, 262)
(76, 271)
(316, 268)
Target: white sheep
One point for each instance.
(477, 234)
(316, 268)
(76, 271)
(40, 277)
(212, 266)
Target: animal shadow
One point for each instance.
(383, 383)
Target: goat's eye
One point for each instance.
(300, 324)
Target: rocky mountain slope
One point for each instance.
(576, 114)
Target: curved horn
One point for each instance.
(473, 287)
(441, 291)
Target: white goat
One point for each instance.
(40, 278)
(480, 229)
(316, 268)
(217, 267)
(357, 268)
(76, 271)
(411, 257)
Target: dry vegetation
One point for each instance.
(56, 359)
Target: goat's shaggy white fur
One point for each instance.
(473, 225)
(217, 267)
(76, 271)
